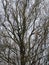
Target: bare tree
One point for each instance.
(22, 37)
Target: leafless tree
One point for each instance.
(23, 40)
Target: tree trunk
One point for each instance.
(22, 53)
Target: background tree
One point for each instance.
(24, 32)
